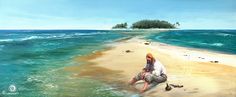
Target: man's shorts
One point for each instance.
(148, 77)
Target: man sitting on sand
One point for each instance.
(154, 72)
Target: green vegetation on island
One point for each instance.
(148, 24)
(120, 26)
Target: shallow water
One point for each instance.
(32, 63)
(223, 41)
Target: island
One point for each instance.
(120, 26)
(148, 24)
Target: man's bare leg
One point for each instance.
(140, 77)
(145, 87)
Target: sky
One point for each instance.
(103, 14)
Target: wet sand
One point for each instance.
(202, 73)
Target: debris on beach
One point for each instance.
(201, 58)
(147, 42)
(176, 86)
(214, 61)
(168, 88)
(128, 51)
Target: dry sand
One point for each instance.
(188, 67)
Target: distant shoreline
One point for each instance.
(154, 29)
(119, 29)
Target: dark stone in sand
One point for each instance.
(128, 51)
(214, 61)
(168, 88)
(146, 43)
(201, 58)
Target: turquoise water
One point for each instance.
(223, 41)
(32, 63)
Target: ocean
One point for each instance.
(222, 41)
(32, 62)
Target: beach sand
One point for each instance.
(202, 73)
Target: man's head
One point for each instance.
(150, 59)
(149, 56)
